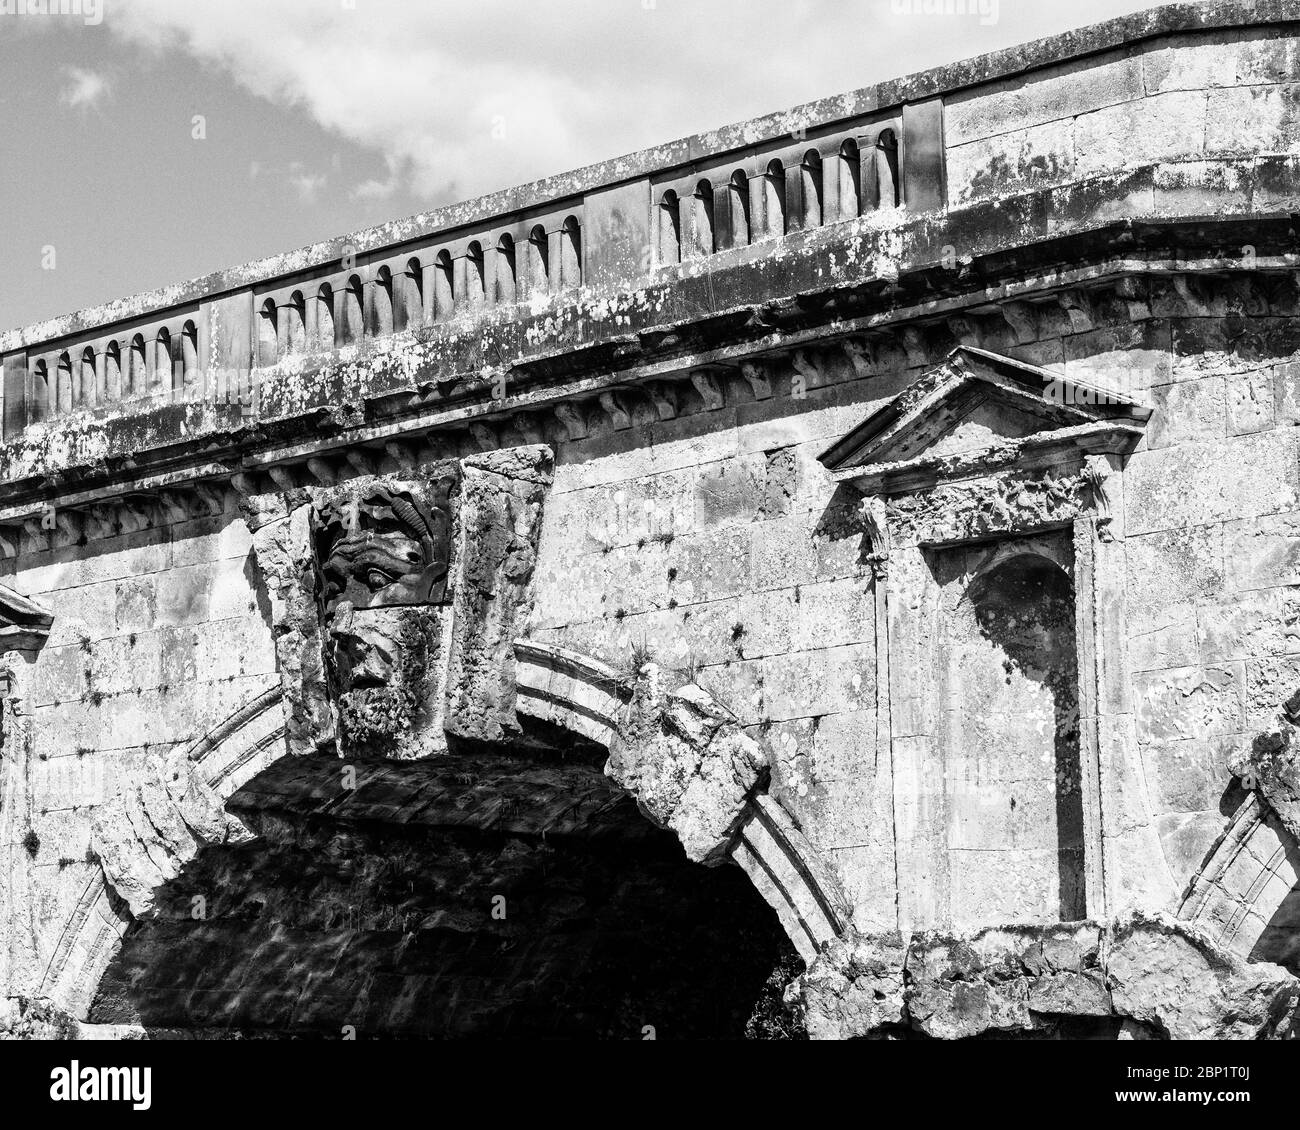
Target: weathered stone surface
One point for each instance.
(1140, 978)
(147, 833)
(501, 514)
(1272, 766)
(1167, 976)
(25, 1019)
(688, 763)
(622, 461)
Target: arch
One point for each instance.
(444, 293)
(570, 253)
(732, 217)
(774, 217)
(504, 281)
(353, 327)
(223, 760)
(1247, 885)
(573, 691)
(268, 336)
(40, 406)
(112, 371)
(887, 189)
(850, 180)
(160, 375)
(475, 276)
(586, 697)
(189, 355)
(65, 390)
(138, 367)
(381, 293)
(1009, 736)
(87, 386)
(702, 227)
(325, 330)
(295, 329)
(412, 305)
(539, 262)
(810, 190)
(668, 241)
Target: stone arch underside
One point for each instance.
(1245, 895)
(150, 839)
(209, 770)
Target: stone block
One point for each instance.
(1190, 702)
(183, 595)
(1187, 412)
(832, 613)
(1251, 405)
(1286, 392)
(136, 604)
(59, 675)
(1250, 626)
(1163, 127)
(1172, 568)
(1270, 681)
(1045, 96)
(1203, 187)
(1164, 639)
(1187, 64)
(808, 683)
(784, 553)
(1021, 160)
(1253, 120)
(845, 746)
(1262, 553)
(710, 566)
(178, 649)
(1197, 484)
(1129, 358)
(86, 612)
(729, 493)
(1266, 59)
(1191, 775)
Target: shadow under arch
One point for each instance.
(374, 906)
(482, 895)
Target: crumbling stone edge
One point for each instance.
(1140, 977)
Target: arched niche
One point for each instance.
(981, 462)
(1009, 795)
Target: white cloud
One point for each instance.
(84, 89)
(461, 98)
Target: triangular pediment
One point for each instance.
(974, 401)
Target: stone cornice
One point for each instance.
(165, 463)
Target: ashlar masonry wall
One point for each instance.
(716, 542)
(158, 637)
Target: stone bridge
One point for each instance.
(839, 573)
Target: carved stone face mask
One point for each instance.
(383, 561)
(380, 665)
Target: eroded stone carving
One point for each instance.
(396, 600)
(383, 555)
(688, 763)
(999, 504)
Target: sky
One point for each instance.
(147, 142)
